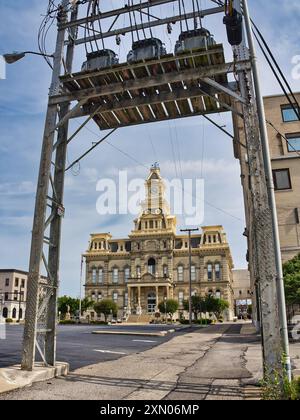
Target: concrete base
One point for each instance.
(13, 377)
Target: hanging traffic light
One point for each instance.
(234, 25)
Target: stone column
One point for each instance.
(129, 300)
(139, 308)
(168, 292)
(157, 297)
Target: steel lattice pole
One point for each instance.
(38, 231)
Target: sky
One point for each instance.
(191, 147)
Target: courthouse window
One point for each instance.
(193, 272)
(115, 275)
(209, 271)
(94, 275)
(127, 274)
(293, 142)
(282, 179)
(218, 271)
(180, 298)
(180, 273)
(100, 277)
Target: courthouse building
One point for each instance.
(152, 264)
(13, 288)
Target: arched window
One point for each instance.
(14, 313)
(127, 274)
(218, 271)
(151, 266)
(180, 273)
(218, 294)
(180, 298)
(193, 273)
(138, 271)
(20, 313)
(210, 293)
(126, 300)
(209, 271)
(115, 275)
(115, 297)
(94, 275)
(5, 312)
(100, 275)
(165, 270)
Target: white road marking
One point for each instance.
(110, 352)
(145, 341)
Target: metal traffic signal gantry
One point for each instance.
(160, 87)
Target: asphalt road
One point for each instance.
(77, 346)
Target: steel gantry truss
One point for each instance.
(170, 87)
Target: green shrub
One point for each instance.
(273, 391)
(98, 323)
(67, 322)
(203, 322)
(9, 321)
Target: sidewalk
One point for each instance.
(204, 364)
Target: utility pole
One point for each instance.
(189, 231)
(80, 287)
(46, 311)
(261, 231)
(271, 191)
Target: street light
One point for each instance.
(165, 302)
(16, 56)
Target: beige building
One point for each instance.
(138, 272)
(285, 154)
(284, 140)
(242, 291)
(13, 288)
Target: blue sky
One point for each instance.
(23, 100)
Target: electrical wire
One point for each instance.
(185, 16)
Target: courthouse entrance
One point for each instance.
(151, 303)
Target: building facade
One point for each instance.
(285, 155)
(13, 289)
(242, 291)
(152, 264)
(284, 141)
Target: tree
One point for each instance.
(198, 305)
(67, 301)
(170, 307)
(106, 307)
(216, 306)
(291, 273)
(86, 304)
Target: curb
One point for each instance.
(13, 378)
(136, 333)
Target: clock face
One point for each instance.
(154, 191)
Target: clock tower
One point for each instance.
(155, 203)
(155, 215)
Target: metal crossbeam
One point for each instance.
(129, 8)
(152, 24)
